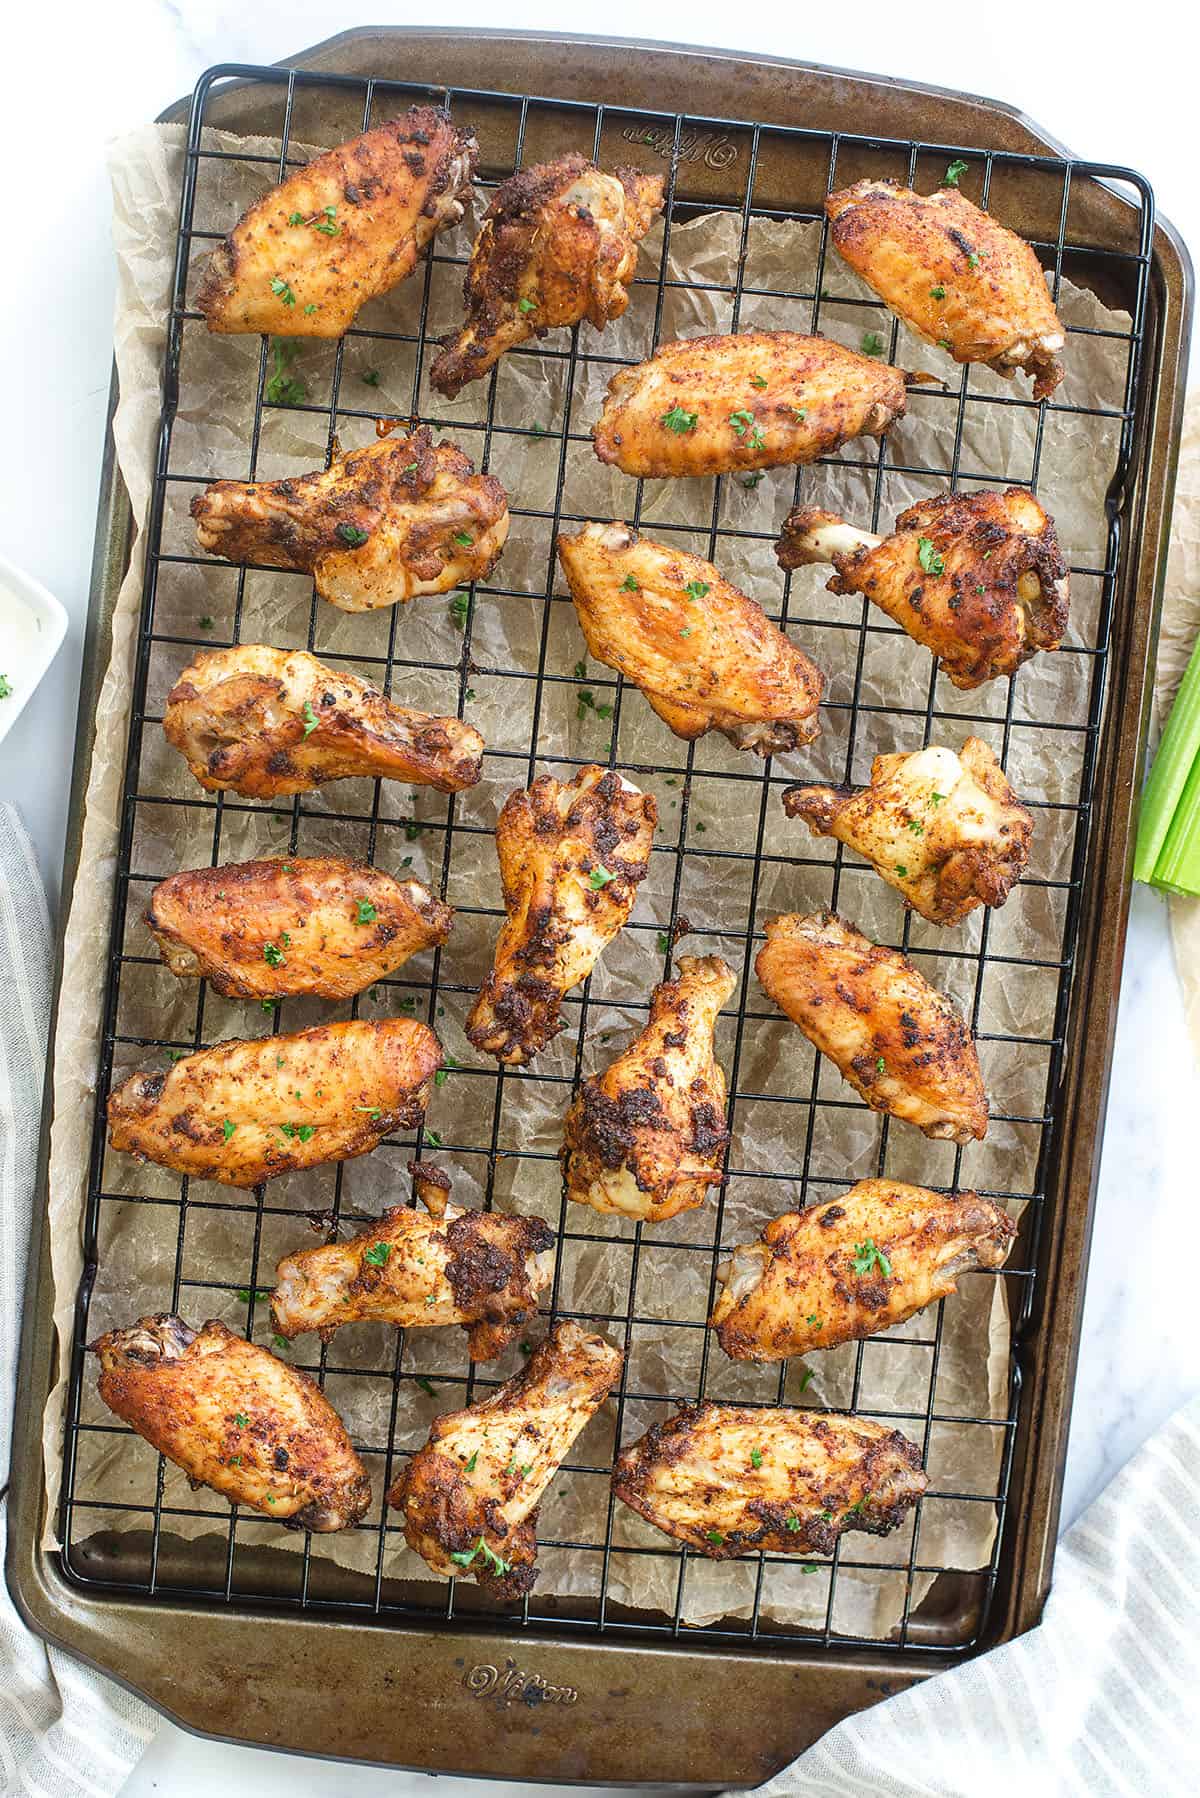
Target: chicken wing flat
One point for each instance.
(377, 527)
(244, 1112)
(264, 722)
(559, 243)
(953, 274)
(412, 1268)
(842, 1271)
(978, 578)
(705, 656)
(645, 1138)
(470, 1496)
(303, 260)
(757, 399)
(901, 1044)
(945, 830)
(571, 856)
(235, 1418)
(268, 929)
(726, 1479)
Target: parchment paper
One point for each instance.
(138, 1238)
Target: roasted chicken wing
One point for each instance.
(380, 525)
(726, 1479)
(571, 857)
(901, 1044)
(953, 274)
(235, 1418)
(264, 722)
(470, 1496)
(847, 1269)
(479, 1269)
(758, 399)
(559, 243)
(243, 1112)
(705, 656)
(645, 1138)
(978, 578)
(945, 830)
(348, 226)
(260, 930)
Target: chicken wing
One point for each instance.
(705, 656)
(848, 1269)
(953, 274)
(645, 1138)
(758, 399)
(559, 243)
(243, 1112)
(304, 259)
(412, 1268)
(264, 722)
(901, 1044)
(571, 857)
(945, 830)
(726, 1479)
(235, 1418)
(260, 930)
(377, 527)
(470, 1496)
(978, 578)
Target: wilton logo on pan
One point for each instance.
(515, 1686)
(708, 147)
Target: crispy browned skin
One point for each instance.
(558, 243)
(571, 856)
(761, 399)
(243, 1112)
(953, 274)
(900, 1043)
(264, 722)
(377, 527)
(235, 1418)
(726, 1479)
(845, 1270)
(348, 226)
(315, 924)
(470, 1496)
(945, 830)
(978, 578)
(645, 1138)
(705, 656)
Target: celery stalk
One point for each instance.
(1178, 866)
(1174, 763)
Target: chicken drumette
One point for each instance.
(378, 526)
(978, 578)
(945, 830)
(953, 274)
(571, 857)
(841, 1271)
(901, 1044)
(346, 227)
(559, 243)
(705, 656)
(757, 399)
(264, 722)
(235, 1418)
(470, 1496)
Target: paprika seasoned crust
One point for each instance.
(236, 1418)
(727, 1479)
(349, 225)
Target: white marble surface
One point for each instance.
(108, 69)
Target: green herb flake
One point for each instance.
(956, 169)
(273, 955)
(464, 538)
(799, 413)
(756, 1457)
(469, 695)
(714, 1536)
(793, 1523)
(280, 1342)
(377, 1254)
(206, 624)
(459, 606)
(311, 307)
(973, 259)
(872, 343)
(629, 585)
(880, 1064)
(805, 1377)
(246, 1293)
(370, 377)
(928, 556)
(282, 291)
(227, 1129)
(697, 589)
(866, 1255)
(686, 631)
(469, 1466)
(372, 1111)
(431, 1136)
(241, 1421)
(937, 293)
(527, 305)
(679, 421)
(366, 912)
(758, 380)
(427, 1386)
(901, 870)
(599, 877)
(285, 387)
(664, 942)
(936, 798)
(751, 481)
(351, 536)
(465, 1556)
(813, 1320)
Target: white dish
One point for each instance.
(32, 627)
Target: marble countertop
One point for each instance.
(1138, 1359)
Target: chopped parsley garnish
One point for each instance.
(413, 828)
(469, 694)
(744, 424)
(587, 703)
(378, 1254)
(431, 1136)
(427, 1386)
(758, 380)
(241, 1421)
(227, 1129)
(459, 606)
(599, 877)
(799, 413)
(916, 826)
(310, 718)
(206, 624)
(901, 870)
(872, 343)
(273, 955)
(756, 1457)
(367, 913)
(928, 557)
(713, 1536)
(629, 585)
(686, 631)
(973, 259)
(370, 377)
(470, 1465)
(697, 589)
(5, 687)
(944, 343)
(937, 293)
(311, 307)
(464, 538)
(805, 1377)
(664, 942)
(936, 798)
(865, 1257)
(880, 1064)
(304, 1131)
(246, 1293)
(282, 291)
(957, 168)
(527, 305)
(793, 1523)
(372, 1111)
(492, 1559)
(443, 1073)
(351, 535)
(751, 481)
(280, 1342)
(284, 387)
(178, 1054)
(813, 1320)
(679, 421)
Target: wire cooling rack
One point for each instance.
(712, 165)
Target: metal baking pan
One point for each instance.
(365, 1671)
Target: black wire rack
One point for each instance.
(712, 165)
